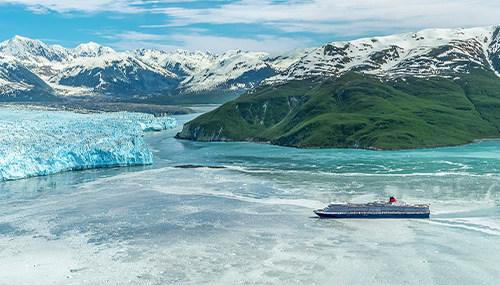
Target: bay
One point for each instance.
(251, 222)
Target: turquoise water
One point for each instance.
(252, 222)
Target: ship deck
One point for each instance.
(374, 210)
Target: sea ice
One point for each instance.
(35, 142)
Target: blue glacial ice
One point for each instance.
(35, 142)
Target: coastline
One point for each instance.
(369, 148)
(86, 107)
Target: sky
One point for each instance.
(218, 25)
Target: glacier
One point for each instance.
(41, 142)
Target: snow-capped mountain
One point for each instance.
(91, 49)
(35, 51)
(92, 69)
(17, 81)
(233, 70)
(102, 70)
(182, 63)
(444, 52)
(40, 58)
(30, 66)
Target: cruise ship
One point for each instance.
(376, 210)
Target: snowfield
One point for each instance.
(34, 143)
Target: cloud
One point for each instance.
(271, 25)
(88, 6)
(343, 16)
(258, 43)
(196, 41)
(137, 36)
(91, 6)
(317, 16)
(131, 40)
(133, 45)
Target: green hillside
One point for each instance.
(359, 111)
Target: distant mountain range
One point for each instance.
(32, 70)
(430, 88)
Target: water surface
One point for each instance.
(252, 222)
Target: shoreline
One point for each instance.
(375, 149)
(86, 107)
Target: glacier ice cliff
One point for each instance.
(35, 142)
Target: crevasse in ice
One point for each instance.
(34, 142)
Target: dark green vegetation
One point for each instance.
(207, 97)
(360, 111)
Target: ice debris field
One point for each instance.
(34, 142)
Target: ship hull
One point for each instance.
(347, 215)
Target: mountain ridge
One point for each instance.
(92, 70)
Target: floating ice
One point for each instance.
(34, 142)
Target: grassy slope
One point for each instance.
(359, 111)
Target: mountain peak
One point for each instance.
(21, 38)
(92, 49)
(25, 48)
(89, 45)
(18, 40)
